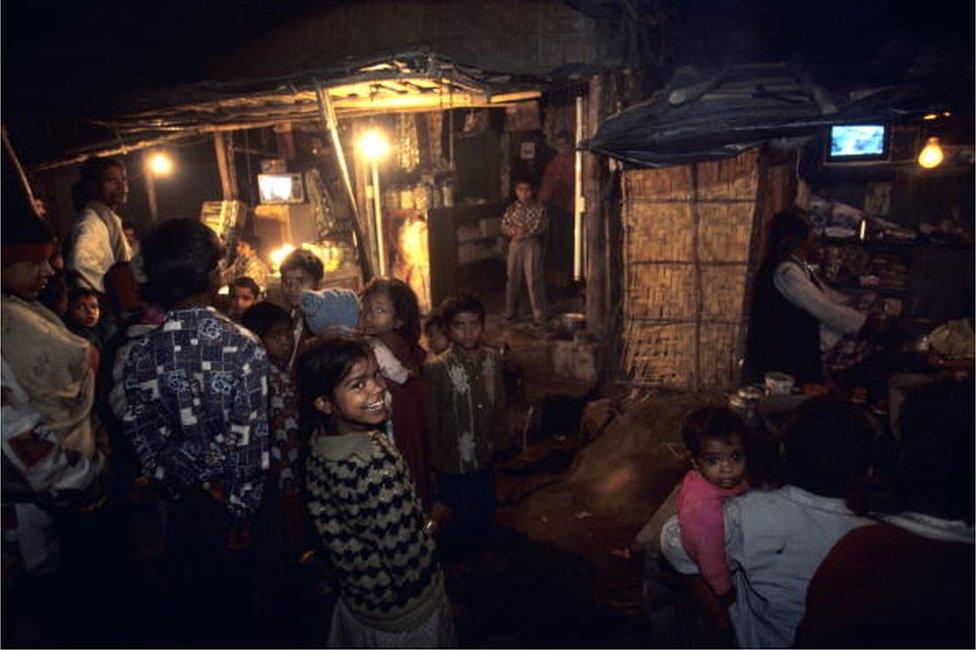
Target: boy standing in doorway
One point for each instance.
(524, 223)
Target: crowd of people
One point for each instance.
(321, 432)
(271, 437)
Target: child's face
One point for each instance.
(523, 192)
(293, 282)
(278, 343)
(358, 402)
(84, 311)
(379, 315)
(723, 464)
(242, 299)
(466, 329)
(437, 340)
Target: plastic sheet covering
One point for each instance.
(726, 121)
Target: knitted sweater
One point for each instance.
(366, 510)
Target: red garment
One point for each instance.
(410, 412)
(882, 586)
(699, 506)
(558, 181)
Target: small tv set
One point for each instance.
(857, 142)
(281, 188)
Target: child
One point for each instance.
(391, 318)
(364, 506)
(465, 406)
(776, 539)
(272, 325)
(436, 334)
(83, 313)
(285, 520)
(524, 222)
(714, 439)
(300, 271)
(244, 292)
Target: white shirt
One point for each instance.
(775, 541)
(794, 280)
(92, 251)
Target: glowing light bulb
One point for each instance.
(161, 164)
(931, 155)
(374, 145)
(279, 254)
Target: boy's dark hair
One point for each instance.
(250, 239)
(262, 316)
(304, 260)
(523, 180)
(828, 447)
(936, 476)
(711, 422)
(405, 306)
(180, 256)
(77, 293)
(462, 302)
(244, 282)
(435, 320)
(321, 368)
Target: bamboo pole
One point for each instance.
(327, 113)
(226, 183)
(596, 310)
(150, 188)
(33, 202)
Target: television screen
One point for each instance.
(857, 142)
(281, 188)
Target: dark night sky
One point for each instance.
(58, 57)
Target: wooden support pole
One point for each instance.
(331, 122)
(594, 257)
(228, 184)
(32, 202)
(150, 187)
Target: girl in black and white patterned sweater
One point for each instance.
(365, 507)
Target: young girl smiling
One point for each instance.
(365, 507)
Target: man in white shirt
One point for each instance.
(97, 237)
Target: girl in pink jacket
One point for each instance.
(714, 438)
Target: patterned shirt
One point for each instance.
(530, 218)
(286, 442)
(195, 392)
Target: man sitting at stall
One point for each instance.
(796, 319)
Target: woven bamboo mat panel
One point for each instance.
(716, 358)
(733, 178)
(723, 288)
(687, 235)
(657, 354)
(724, 231)
(661, 292)
(658, 231)
(672, 183)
